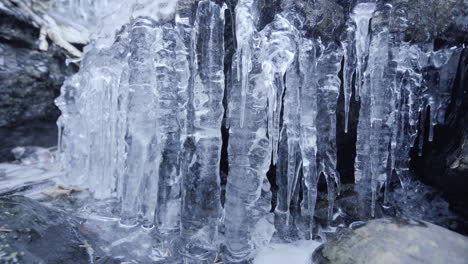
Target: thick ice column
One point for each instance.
(375, 119)
(201, 208)
(361, 15)
(308, 128)
(139, 193)
(328, 87)
(249, 159)
(169, 130)
(172, 70)
(251, 143)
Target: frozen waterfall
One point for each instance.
(141, 121)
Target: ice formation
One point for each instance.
(141, 121)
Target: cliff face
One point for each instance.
(30, 80)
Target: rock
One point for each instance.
(59, 191)
(443, 163)
(33, 233)
(30, 79)
(394, 240)
(445, 21)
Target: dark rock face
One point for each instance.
(394, 240)
(444, 163)
(30, 80)
(33, 233)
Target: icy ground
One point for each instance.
(36, 175)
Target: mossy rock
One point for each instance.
(427, 20)
(394, 240)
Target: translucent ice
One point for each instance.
(142, 120)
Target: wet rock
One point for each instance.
(33, 233)
(394, 240)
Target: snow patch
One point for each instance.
(299, 252)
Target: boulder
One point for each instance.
(394, 240)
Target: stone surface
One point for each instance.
(33, 233)
(394, 240)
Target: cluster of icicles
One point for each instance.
(142, 119)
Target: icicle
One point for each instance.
(277, 56)
(331, 197)
(374, 197)
(328, 67)
(375, 118)
(60, 126)
(431, 131)
(308, 128)
(361, 15)
(249, 157)
(249, 146)
(440, 83)
(245, 28)
(349, 48)
(245, 62)
(422, 122)
(141, 129)
(141, 120)
(288, 150)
